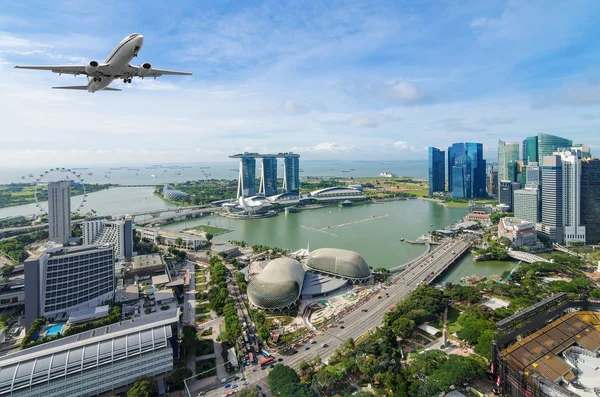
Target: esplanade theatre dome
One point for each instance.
(278, 286)
(338, 262)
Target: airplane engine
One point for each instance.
(91, 67)
(145, 68)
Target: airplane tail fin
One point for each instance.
(83, 88)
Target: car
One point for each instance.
(236, 377)
(306, 347)
(264, 395)
(263, 368)
(342, 327)
(258, 387)
(234, 386)
(324, 345)
(202, 393)
(227, 385)
(280, 359)
(272, 365)
(244, 383)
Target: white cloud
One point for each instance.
(401, 145)
(404, 92)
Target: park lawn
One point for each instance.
(201, 287)
(200, 279)
(206, 368)
(455, 204)
(204, 347)
(453, 324)
(200, 309)
(211, 229)
(201, 319)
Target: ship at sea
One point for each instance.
(387, 174)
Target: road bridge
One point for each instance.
(169, 217)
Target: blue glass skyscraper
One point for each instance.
(466, 170)
(437, 170)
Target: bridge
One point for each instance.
(178, 214)
(526, 257)
(154, 213)
(435, 262)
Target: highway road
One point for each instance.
(367, 314)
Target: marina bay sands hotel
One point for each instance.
(268, 175)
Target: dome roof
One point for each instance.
(278, 285)
(339, 262)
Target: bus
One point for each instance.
(265, 353)
(266, 361)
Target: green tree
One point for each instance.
(209, 236)
(143, 387)
(248, 393)
(179, 375)
(403, 327)
(6, 271)
(484, 344)
(179, 241)
(188, 340)
(240, 277)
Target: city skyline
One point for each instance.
(356, 82)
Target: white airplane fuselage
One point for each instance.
(118, 60)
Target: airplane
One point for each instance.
(116, 66)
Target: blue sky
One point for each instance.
(331, 79)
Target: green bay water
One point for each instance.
(373, 230)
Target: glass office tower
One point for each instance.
(437, 170)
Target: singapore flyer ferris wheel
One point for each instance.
(54, 175)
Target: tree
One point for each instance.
(403, 327)
(179, 375)
(188, 339)
(209, 236)
(6, 271)
(143, 387)
(240, 277)
(248, 393)
(179, 241)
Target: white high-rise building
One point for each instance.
(59, 211)
(573, 231)
(62, 280)
(117, 232)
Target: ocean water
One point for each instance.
(171, 173)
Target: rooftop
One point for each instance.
(540, 352)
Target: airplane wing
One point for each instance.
(144, 71)
(69, 69)
(83, 88)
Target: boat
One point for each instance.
(345, 203)
(153, 176)
(22, 177)
(345, 170)
(90, 173)
(387, 174)
(30, 175)
(431, 224)
(177, 173)
(402, 239)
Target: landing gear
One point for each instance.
(98, 79)
(129, 81)
(126, 81)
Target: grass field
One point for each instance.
(211, 229)
(454, 204)
(201, 319)
(202, 309)
(200, 279)
(204, 347)
(453, 325)
(201, 287)
(206, 368)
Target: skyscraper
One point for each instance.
(530, 150)
(573, 229)
(450, 160)
(505, 193)
(59, 211)
(466, 163)
(437, 170)
(247, 174)
(548, 144)
(590, 199)
(268, 177)
(291, 172)
(526, 203)
(117, 232)
(552, 196)
(478, 169)
(533, 174)
(66, 279)
(492, 182)
(508, 156)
